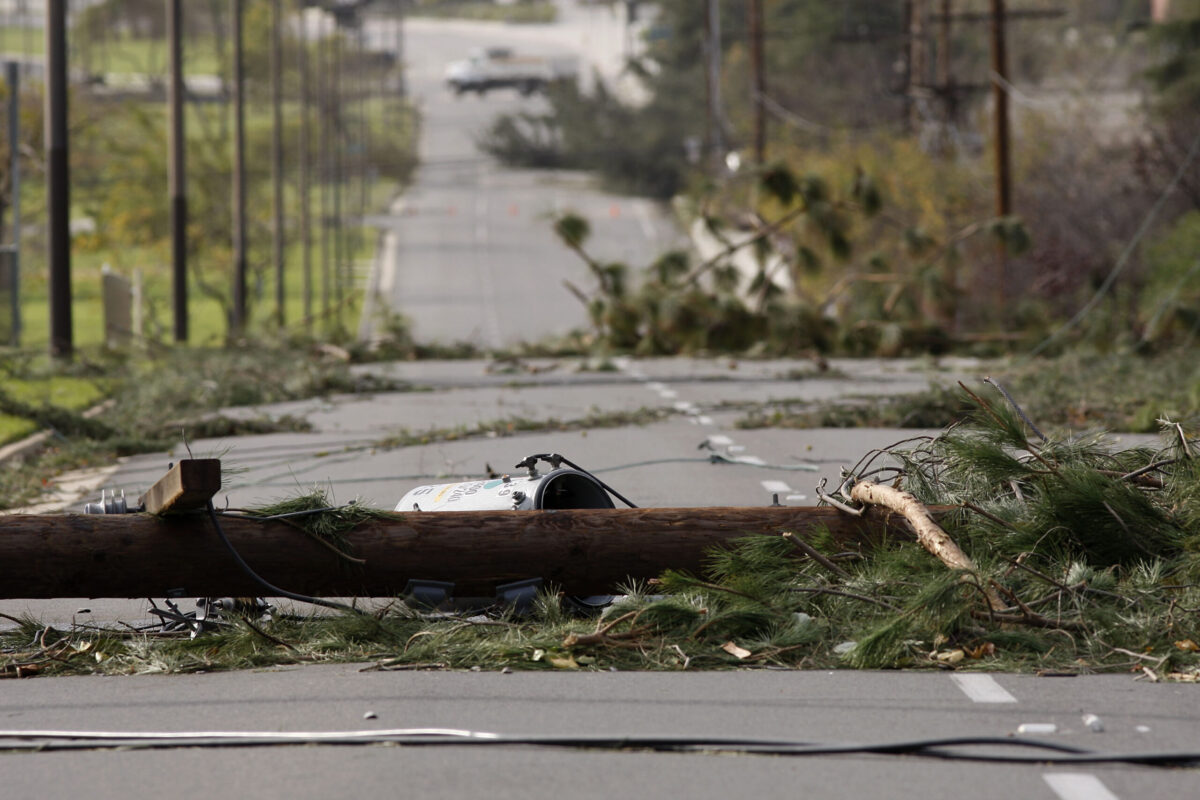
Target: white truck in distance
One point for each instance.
(499, 68)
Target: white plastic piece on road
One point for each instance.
(1094, 723)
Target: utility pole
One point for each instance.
(339, 165)
(755, 12)
(1000, 98)
(325, 162)
(277, 154)
(12, 76)
(716, 139)
(177, 173)
(305, 216)
(58, 181)
(237, 321)
(918, 62)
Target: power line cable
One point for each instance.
(965, 748)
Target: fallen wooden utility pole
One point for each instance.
(582, 552)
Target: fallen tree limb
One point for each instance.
(929, 533)
(584, 551)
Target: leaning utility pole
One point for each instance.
(58, 181)
(237, 320)
(755, 12)
(177, 172)
(277, 154)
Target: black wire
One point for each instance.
(272, 590)
(1048, 752)
(606, 487)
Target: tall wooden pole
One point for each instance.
(305, 200)
(12, 75)
(1003, 166)
(758, 81)
(238, 314)
(58, 181)
(277, 155)
(177, 173)
(1000, 98)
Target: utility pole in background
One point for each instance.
(324, 108)
(277, 154)
(58, 182)
(12, 76)
(918, 63)
(305, 205)
(1000, 118)
(716, 138)
(177, 173)
(755, 11)
(237, 321)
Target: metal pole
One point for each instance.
(305, 208)
(58, 181)
(237, 321)
(277, 155)
(177, 173)
(12, 74)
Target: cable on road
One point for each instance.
(951, 748)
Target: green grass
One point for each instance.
(525, 11)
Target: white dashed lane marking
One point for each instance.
(982, 688)
(1078, 786)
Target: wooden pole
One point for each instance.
(305, 192)
(238, 313)
(177, 173)
(585, 551)
(758, 81)
(277, 241)
(58, 182)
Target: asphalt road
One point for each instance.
(469, 253)
(490, 272)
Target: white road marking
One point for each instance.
(655, 386)
(720, 440)
(982, 688)
(752, 460)
(668, 394)
(776, 487)
(703, 420)
(1078, 786)
(795, 498)
(641, 209)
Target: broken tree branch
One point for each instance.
(929, 533)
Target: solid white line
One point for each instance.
(1078, 786)
(982, 688)
(778, 487)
